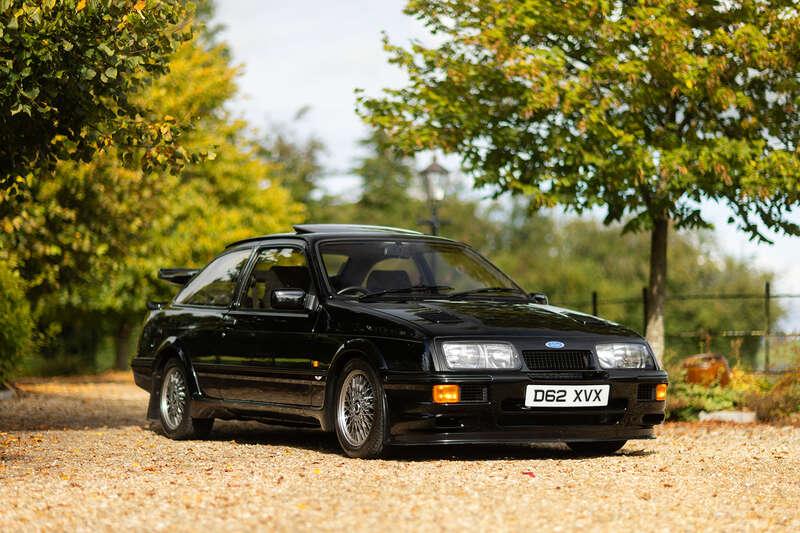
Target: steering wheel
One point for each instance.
(353, 289)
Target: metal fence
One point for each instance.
(769, 338)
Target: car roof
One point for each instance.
(317, 231)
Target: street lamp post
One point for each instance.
(434, 181)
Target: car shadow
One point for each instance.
(326, 443)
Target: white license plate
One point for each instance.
(566, 395)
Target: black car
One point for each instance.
(388, 336)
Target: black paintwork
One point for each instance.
(282, 365)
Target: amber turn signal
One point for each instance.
(661, 392)
(446, 393)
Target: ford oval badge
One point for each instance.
(554, 344)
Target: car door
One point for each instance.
(202, 305)
(272, 351)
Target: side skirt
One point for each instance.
(271, 413)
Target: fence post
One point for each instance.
(594, 303)
(767, 325)
(644, 310)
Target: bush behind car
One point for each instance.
(16, 333)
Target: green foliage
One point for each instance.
(642, 108)
(685, 401)
(68, 70)
(746, 391)
(16, 333)
(90, 240)
(781, 402)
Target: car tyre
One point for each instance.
(597, 448)
(173, 406)
(360, 416)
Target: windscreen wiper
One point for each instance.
(486, 290)
(407, 290)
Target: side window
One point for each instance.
(275, 268)
(393, 273)
(216, 283)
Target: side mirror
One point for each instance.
(155, 306)
(539, 298)
(288, 299)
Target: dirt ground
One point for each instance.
(77, 454)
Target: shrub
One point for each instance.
(781, 402)
(686, 400)
(16, 324)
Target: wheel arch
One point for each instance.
(169, 349)
(356, 348)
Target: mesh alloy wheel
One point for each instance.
(174, 405)
(173, 398)
(356, 409)
(360, 410)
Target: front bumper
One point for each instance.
(492, 409)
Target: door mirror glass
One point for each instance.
(288, 299)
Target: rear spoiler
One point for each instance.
(178, 276)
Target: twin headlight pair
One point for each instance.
(468, 355)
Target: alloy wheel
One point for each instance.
(173, 398)
(356, 408)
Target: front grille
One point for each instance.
(474, 393)
(646, 391)
(557, 359)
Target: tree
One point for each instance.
(645, 109)
(297, 160)
(89, 241)
(570, 258)
(67, 73)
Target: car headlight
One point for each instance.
(620, 355)
(481, 355)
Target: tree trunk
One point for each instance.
(656, 292)
(122, 346)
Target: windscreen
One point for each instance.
(404, 267)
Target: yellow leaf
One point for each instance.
(689, 84)
(81, 5)
(140, 5)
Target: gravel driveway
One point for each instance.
(77, 454)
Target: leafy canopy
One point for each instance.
(646, 108)
(90, 240)
(67, 71)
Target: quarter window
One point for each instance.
(216, 283)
